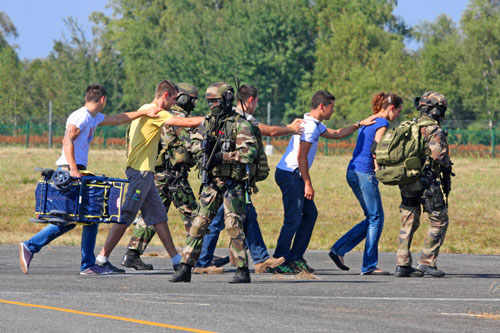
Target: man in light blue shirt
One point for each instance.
(292, 176)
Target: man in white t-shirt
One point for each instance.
(292, 176)
(80, 129)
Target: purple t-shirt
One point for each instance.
(362, 158)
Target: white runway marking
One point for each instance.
(284, 297)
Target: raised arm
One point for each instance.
(183, 122)
(292, 128)
(69, 149)
(304, 148)
(127, 117)
(346, 131)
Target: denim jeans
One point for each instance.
(52, 231)
(365, 188)
(299, 216)
(255, 242)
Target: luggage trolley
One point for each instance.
(61, 199)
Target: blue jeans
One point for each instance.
(255, 242)
(52, 231)
(299, 216)
(365, 188)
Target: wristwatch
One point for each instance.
(358, 123)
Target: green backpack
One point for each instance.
(399, 154)
(259, 169)
(261, 164)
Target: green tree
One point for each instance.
(440, 64)
(269, 44)
(481, 88)
(359, 51)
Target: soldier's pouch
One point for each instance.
(432, 199)
(179, 155)
(398, 174)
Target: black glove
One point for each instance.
(216, 160)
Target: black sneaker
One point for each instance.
(285, 268)
(220, 261)
(110, 267)
(434, 271)
(302, 266)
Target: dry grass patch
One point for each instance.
(474, 204)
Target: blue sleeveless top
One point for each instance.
(362, 159)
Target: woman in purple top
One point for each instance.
(361, 179)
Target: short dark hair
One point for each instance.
(321, 97)
(94, 93)
(246, 91)
(166, 86)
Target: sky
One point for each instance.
(40, 22)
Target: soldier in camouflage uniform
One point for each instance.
(235, 148)
(171, 178)
(426, 192)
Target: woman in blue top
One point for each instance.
(361, 179)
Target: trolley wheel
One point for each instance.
(37, 220)
(61, 179)
(58, 221)
(58, 212)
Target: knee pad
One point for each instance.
(199, 226)
(234, 227)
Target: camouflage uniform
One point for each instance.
(226, 185)
(171, 179)
(436, 151)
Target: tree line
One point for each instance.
(286, 48)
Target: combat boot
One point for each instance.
(182, 274)
(407, 271)
(132, 259)
(242, 276)
(431, 270)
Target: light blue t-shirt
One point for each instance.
(362, 158)
(313, 129)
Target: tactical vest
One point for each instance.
(238, 171)
(401, 153)
(172, 153)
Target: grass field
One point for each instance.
(474, 205)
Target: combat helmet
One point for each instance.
(432, 104)
(187, 97)
(220, 97)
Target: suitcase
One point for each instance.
(61, 199)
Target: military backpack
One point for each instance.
(400, 153)
(261, 164)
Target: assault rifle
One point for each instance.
(248, 199)
(209, 146)
(446, 174)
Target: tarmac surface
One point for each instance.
(54, 297)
